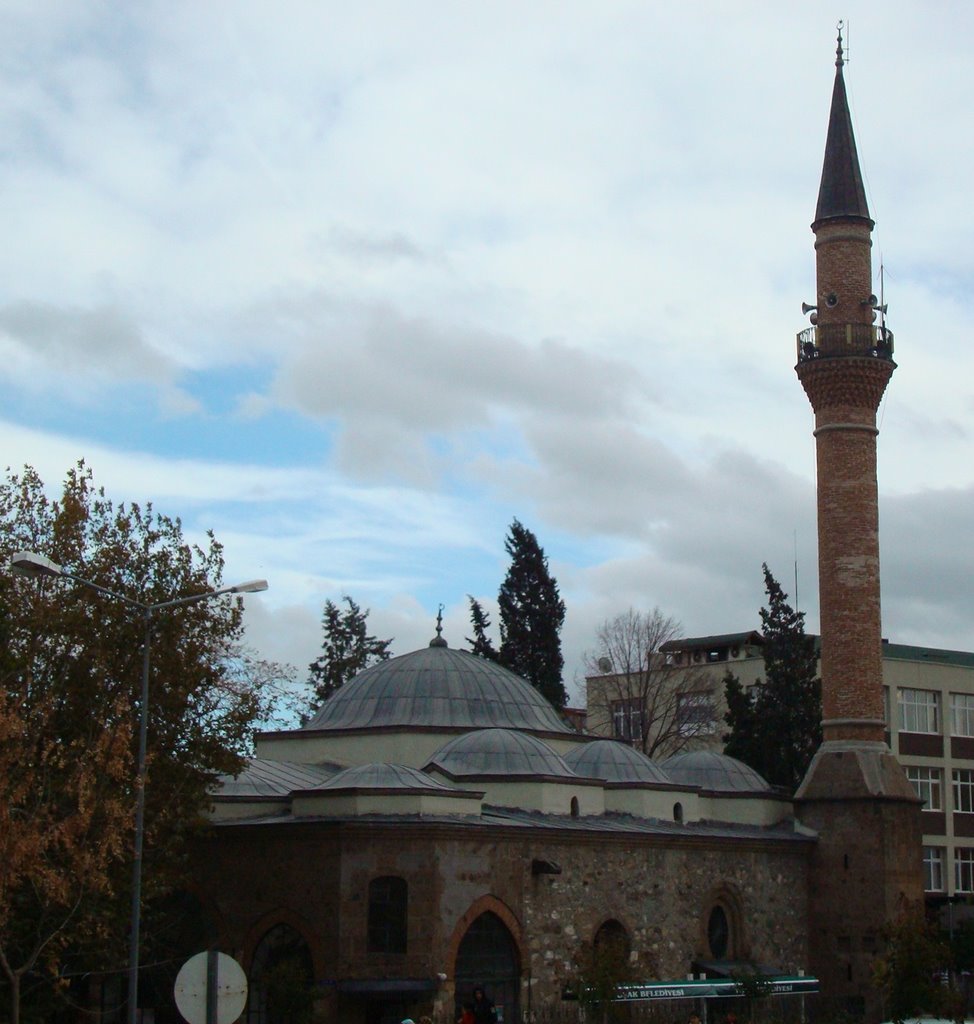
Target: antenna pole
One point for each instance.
(795, 538)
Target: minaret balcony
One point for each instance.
(828, 341)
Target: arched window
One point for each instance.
(281, 984)
(574, 806)
(488, 957)
(612, 940)
(678, 812)
(719, 935)
(388, 914)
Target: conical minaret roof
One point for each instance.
(841, 193)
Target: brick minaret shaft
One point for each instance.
(844, 371)
(866, 867)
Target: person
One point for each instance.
(694, 1018)
(483, 1008)
(466, 1015)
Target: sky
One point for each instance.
(355, 285)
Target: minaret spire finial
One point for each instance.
(839, 58)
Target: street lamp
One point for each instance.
(29, 563)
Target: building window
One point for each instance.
(695, 714)
(964, 869)
(933, 869)
(627, 719)
(928, 783)
(964, 790)
(388, 898)
(962, 714)
(718, 933)
(919, 711)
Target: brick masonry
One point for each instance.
(866, 869)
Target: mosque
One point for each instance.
(437, 825)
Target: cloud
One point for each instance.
(394, 382)
(40, 339)
(379, 279)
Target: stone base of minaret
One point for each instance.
(866, 870)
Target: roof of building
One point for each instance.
(383, 777)
(907, 652)
(718, 773)
(512, 817)
(719, 640)
(499, 752)
(438, 687)
(261, 777)
(615, 761)
(841, 192)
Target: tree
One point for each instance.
(776, 725)
(70, 670)
(480, 643)
(531, 616)
(638, 694)
(911, 968)
(347, 648)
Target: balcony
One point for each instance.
(828, 341)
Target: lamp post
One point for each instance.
(28, 563)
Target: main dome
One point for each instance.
(437, 687)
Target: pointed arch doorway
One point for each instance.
(488, 957)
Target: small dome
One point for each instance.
(382, 776)
(438, 687)
(498, 752)
(713, 771)
(615, 762)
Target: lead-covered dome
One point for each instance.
(498, 752)
(717, 772)
(440, 688)
(614, 761)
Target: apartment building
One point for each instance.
(929, 713)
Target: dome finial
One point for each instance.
(839, 58)
(438, 640)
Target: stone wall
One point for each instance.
(315, 877)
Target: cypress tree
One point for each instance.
(776, 725)
(531, 616)
(346, 648)
(480, 642)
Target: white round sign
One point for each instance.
(231, 989)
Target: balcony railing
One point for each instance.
(830, 340)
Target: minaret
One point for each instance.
(867, 867)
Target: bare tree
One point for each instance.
(640, 693)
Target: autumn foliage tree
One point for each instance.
(70, 668)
